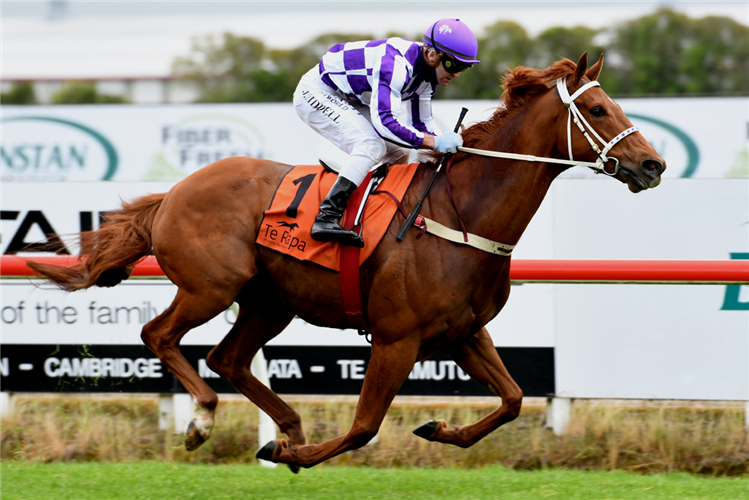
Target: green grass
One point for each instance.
(164, 480)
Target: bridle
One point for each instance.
(599, 166)
(573, 115)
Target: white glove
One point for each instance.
(448, 142)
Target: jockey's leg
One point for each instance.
(327, 226)
(343, 124)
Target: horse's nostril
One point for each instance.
(652, 167)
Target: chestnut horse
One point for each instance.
(421, 297)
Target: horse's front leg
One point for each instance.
(478, 357)
(388, 369)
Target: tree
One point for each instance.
(504, 45)
(19, 93)
(75, 92)
(557, 43)
(716, 59)
(293, 64)
(662, 53)
(224, 71)
(242, 69)
(650, 49)
(669, 53)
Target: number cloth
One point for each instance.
(287, 223)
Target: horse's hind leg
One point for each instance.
(388, 369)
(478, 357)
(163, 334)
(233, 356)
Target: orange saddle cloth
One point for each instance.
(287, 223)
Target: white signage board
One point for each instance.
(655, 341)
(651, 341)
(32, 208)
(698, 137)
(33, 315)
(145, 143)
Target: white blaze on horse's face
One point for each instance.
(605, 127)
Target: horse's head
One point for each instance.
(609, 138)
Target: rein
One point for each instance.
(599, 166)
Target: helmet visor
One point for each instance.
(452, 65)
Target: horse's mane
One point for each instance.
(521, 85)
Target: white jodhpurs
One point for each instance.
(345, 124)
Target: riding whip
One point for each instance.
(415, 212)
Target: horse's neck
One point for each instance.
(504, 195)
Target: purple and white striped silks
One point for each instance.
(382, 74)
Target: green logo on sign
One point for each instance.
(27, 156)
(731, 301)
(693, 154)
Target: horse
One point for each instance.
(420, 296)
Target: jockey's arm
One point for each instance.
(428, 142)
(390, 77)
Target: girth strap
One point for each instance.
(349, 264)
(472, 240)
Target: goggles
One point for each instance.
(452, 65)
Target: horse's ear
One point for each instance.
(582, 66)
(595, 70)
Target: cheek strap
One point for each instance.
(575, 115)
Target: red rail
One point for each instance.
(714, 272)
(12, 265)
(711, 272)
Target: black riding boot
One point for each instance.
(327, 225)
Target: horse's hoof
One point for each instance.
(266, 452)
(193, 438)
(112, 277)
(427, 430)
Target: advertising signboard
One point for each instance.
(614, 341)
(90, 340)
(144, 143)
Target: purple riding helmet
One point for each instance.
(453, 37)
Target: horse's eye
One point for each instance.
(598, 112)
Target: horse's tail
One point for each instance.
(108, 256)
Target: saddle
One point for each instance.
(287, 222)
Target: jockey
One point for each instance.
(353, 98)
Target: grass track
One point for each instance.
(163, 480)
